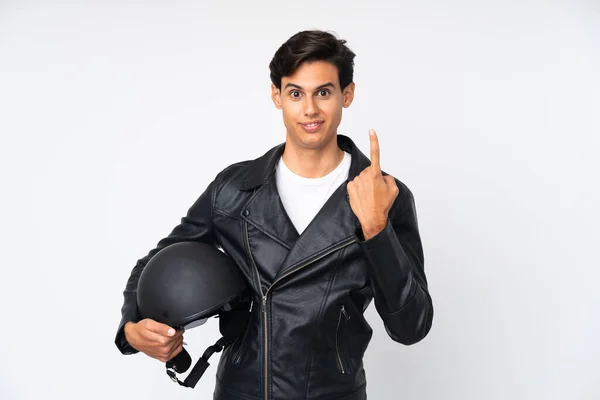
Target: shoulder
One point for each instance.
(232, 173)
(404, 202)
(230, 177)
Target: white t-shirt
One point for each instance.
(303, 197)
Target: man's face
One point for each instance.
(311, 101)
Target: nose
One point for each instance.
(310, 108)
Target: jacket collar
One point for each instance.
(261, 169)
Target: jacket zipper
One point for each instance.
(265, 294)
(337, 336)
(263, 307)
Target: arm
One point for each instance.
(196, 225)
(398, 280)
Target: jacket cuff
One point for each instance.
(121, 341)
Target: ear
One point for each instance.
(348, 94)
(276, 96)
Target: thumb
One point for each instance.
(389, 179)
(160, 328)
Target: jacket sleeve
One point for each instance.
(195, 225)
(397, 274)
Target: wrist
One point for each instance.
(127, 329)
(371, 231)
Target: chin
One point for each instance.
(312, 140)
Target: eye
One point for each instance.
(293, 94)
(324, 91)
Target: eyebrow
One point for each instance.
(328, 84)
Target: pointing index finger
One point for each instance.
(374, 151)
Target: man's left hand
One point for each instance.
(372, 194)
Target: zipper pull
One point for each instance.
(345, 313)
(263, 307)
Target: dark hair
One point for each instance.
(312, 45)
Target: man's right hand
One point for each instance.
(155, 339)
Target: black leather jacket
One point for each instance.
(307, 334)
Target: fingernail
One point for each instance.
(171, 332)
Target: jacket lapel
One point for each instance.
(334, 224)
(266, 211)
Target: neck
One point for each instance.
(312, 162)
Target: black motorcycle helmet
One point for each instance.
(182, 286)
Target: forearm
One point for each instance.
(129, 310)
(399, 286)
(195, 225)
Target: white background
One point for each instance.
(115, 116)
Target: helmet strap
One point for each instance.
(201, 365)
(231, 324)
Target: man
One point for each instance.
(318, 231)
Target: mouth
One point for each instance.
(312, 126)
